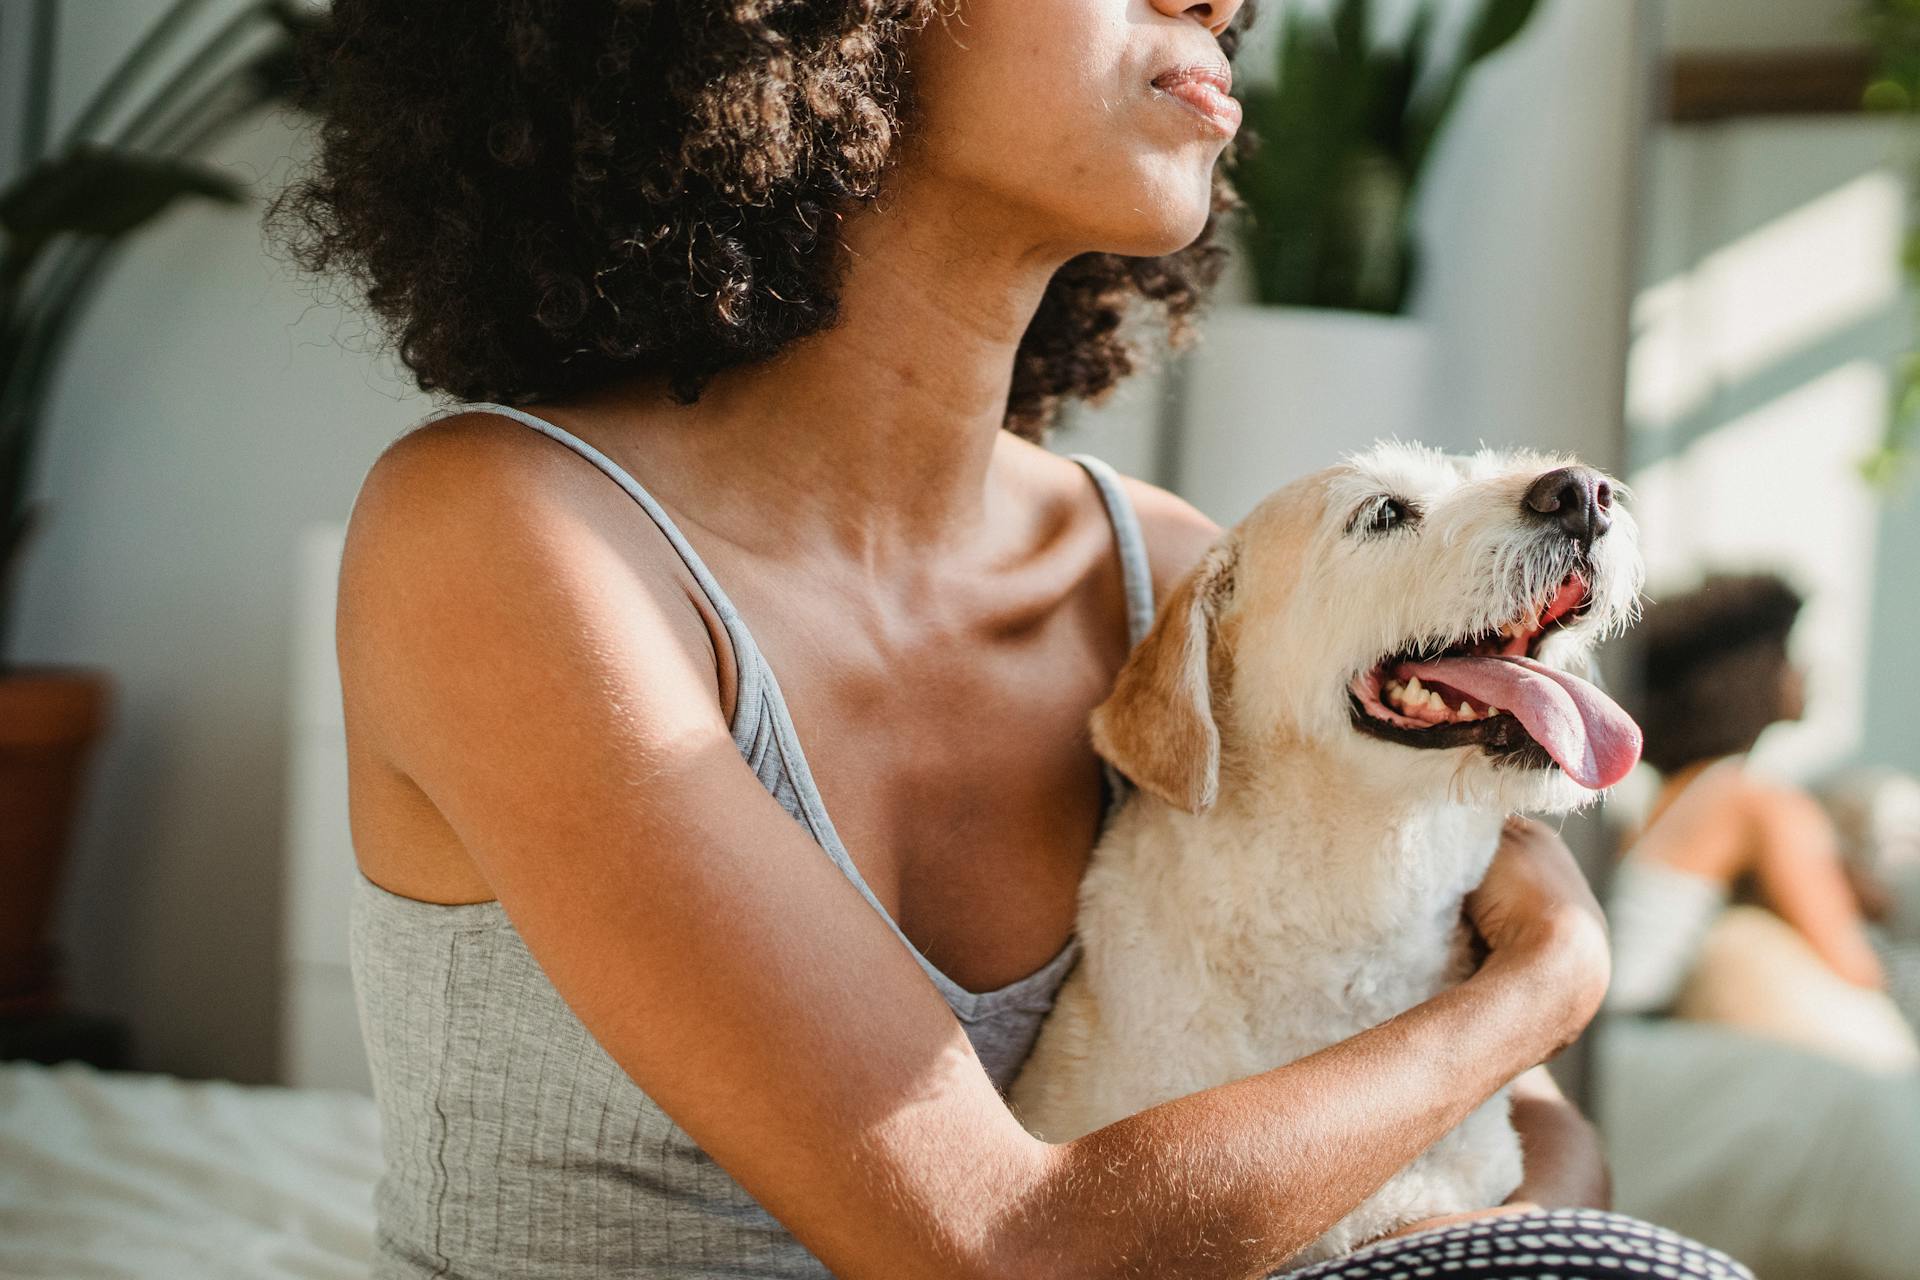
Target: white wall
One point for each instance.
(1773, 314)
(205, 413)
(208, 413)
(1529, 224)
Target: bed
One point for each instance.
(119, 1175)
(1802, 1166)
(1805, 1168)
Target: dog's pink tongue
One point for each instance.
(1583, 729)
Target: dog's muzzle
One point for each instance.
(1492, 691)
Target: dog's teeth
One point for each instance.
(1416, 692)
(1466, 711)
(1435, 702)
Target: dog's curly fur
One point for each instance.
(1283, 880)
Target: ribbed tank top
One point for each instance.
(513, 1145)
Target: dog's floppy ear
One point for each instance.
(1157, 726)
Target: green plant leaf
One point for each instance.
(107, 98)
(98, 191)
(1500, 21)
(1334, 150)
(1352, 29)
(1496, 26)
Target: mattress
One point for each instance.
(117, 1174)
(1804, 1168)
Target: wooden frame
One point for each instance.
(1717, 86)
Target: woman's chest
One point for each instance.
(958, 772)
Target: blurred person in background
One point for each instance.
(1732, 903)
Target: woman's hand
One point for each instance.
(1536, 912)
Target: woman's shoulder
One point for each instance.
(472, 521)
(1738, 783)
(460, 456)
(475, 482)
(444, 471)
(1176, 533)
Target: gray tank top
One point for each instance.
(513, 1145)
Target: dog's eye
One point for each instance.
(1384, 515)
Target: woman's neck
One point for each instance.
(874, 437)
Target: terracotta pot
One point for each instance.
(50, 718)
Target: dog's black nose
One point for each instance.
(1577, 499)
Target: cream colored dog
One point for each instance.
(1328, 722)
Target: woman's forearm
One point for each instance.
(1802, 879)
(1566, 1166)
(1231, 1181)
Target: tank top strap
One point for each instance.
(1136, 573)
(1135, 570)
(709, 585)
(750, 670)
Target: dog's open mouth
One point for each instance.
(1491, 691)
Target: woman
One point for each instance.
(819, 274)
(1716, 674)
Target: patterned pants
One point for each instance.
(1557, 1244)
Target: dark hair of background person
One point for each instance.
(536, 197)
(1714, 667)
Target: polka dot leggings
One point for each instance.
(1556, 1244)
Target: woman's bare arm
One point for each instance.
(1566, 1165)
(556, 702)
(1797, 864)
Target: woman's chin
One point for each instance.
(1162, 217)
(1155, 229)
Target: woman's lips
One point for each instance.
(1203, 90)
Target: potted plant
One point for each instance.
(127, 158)
(1328, 175)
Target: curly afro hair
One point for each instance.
(1711, 661)
(538, 196)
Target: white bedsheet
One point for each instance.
(1805, 1169)
(121, 1175)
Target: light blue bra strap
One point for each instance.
(1134, 568)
